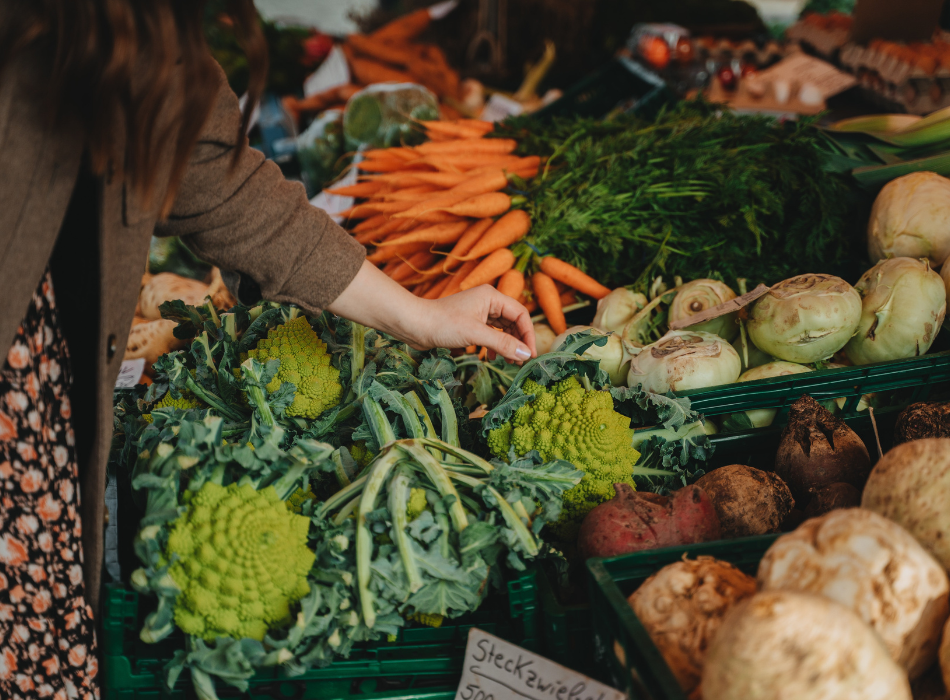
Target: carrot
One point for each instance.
(422, 288)
(468, 147)
(463, 163)
(466, 243)
(393, 252)
(459, 277)
(436, 289)
(413, 264)
(567, 298)
(512, 284)
(403, 29)
(362, 189)
(480, 206)
(417, 192)
(445, 180)
(366, 71)
(387, 53)
(549, 301)
(370, 223)
(396, 153)
(397, 179)
(437, 234)
(432, 204)
(392, 165)
(572, 277)
(471, 349)
(490, 181)
(490, 269)
(461, 129)
(531, 305)
(391, 265)
(509, 229)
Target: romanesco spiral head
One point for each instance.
(565, 421)
(186, 401)
(305, 363)
(242, 561)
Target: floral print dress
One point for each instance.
(47, 635)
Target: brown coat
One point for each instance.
(252, 221)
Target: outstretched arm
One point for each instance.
(459, 320)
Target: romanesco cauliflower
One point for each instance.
(361, 455)
(296, 500)
(417, 504)
(565, 421)
(185, 402)
(241, 560)
(305, 363)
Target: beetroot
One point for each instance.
(632, 521)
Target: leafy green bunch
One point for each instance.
(698, 190)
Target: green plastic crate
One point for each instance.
(423, 663)
(566, 629)
(916, 376)
(639, 668)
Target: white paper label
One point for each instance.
(500, 108)
(498, 670)
(333, 72)
(130, 373)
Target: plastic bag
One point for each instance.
(382, 115)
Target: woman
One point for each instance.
(115, 124)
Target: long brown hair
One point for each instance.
(112, 63)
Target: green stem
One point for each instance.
(364, 536)
(378, 423)
(439, 478)
(398, 503)
(340, 497)
(507, 512)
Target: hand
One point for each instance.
(460, 320)
(480, 316)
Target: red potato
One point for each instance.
(633, 521)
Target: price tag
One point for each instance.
(130, 373)
(498, 670)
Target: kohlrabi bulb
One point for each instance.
(684, 360)
(698, 296)
(618, 307)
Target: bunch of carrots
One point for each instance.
(439, 221)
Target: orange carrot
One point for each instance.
(509, 229)
(413, 264)
(460, 129)
(549, 301)
(367, 71)
(569, 297)
(463, 163)
(381, 51)
(445, 180)
(458, 278)
(489, 269)
(436, 289)
(471, 349)
(396, 153)
(393, 252)
(468, 147)
(432, 204)
(490, 181)
(362, 189)
(437, 234)
(392, 165)
(572, 277)
(391, 265)
(481, 206)
(370, 223)
(512, 284)
(396, 180)
(531, 305)
(466, 243)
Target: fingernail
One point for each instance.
(522, 353)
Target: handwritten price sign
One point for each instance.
(497, 670)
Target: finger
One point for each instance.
(508, 310)
(505, 345)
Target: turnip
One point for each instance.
(817, 449)
(682, 606)
(632, 521)
(874, 567)
(780, 645)
(911, 486)
(747, 501)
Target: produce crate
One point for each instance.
(916, 376)
(621, 83)
(626, 656)
(566, 629)
(423, 663)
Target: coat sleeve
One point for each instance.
(253, 222)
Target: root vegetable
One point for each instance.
(748, 501)
(795, 646)
(874, 567)
(167, 286)
(684, 360)
(911, 486)
(817, 449)
(832, 497)
(633, 521)
(922, 420)
(543, 338)
(682, 606)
